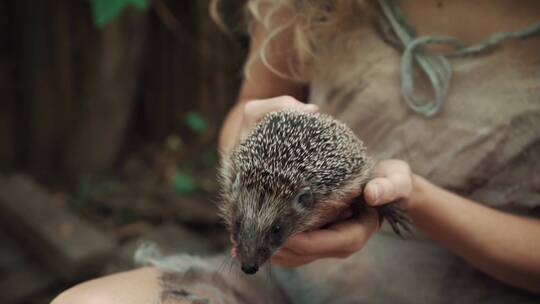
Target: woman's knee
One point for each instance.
(134, 287)
(80, 294)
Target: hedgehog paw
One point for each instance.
(395, 216)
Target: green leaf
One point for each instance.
(196, 122)
(183, 183)
(106, 10)
(209, 158)
(173, 142)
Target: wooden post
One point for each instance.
(110, 86)
(70, 247)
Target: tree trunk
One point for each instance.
(219, 65)
(44, 81)
(109, 90)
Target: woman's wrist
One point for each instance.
(419, 194)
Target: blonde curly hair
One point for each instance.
(313, 27)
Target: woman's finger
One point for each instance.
(289, 263)
(382, 190)
(337, 239)
(286, 257)
(359, 230)
(255, 110)
(393, 182)
(386, 167)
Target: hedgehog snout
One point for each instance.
(250, 261)
(250, 268)
(252, 256)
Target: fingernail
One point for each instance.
(311, 108)
(375, 192)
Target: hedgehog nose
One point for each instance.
(250, 268)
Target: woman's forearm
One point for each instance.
(230, 128)
(262, 83)
(503, 245)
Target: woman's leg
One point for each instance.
(180, 279)
(140, 286)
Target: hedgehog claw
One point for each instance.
(395, 216)
(391, 212)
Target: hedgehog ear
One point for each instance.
(305, 198)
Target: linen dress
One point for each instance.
(484, 144)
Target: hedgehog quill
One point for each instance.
(290, 175)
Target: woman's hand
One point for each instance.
(393, 182)
(251, 112)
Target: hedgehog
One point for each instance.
(291, 174)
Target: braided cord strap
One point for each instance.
(435, 65)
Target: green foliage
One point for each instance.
(209, 158)
(106, 10)
(183, 183)
(88, 189)
(196, 175)
(196, 122)
(173, 142)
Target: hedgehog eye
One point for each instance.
(305, 198)
(276, 229)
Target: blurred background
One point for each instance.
(109, 117)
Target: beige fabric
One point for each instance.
(484, 144)
(485, 141)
